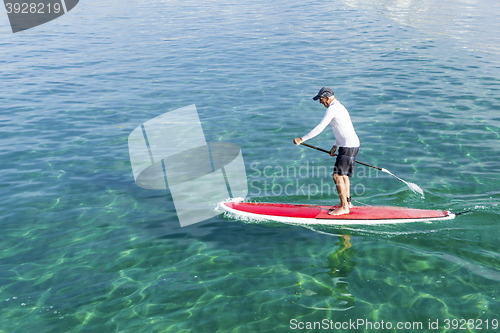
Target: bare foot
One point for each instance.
(334, 207)
(339, 211)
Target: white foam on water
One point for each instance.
(218, 208)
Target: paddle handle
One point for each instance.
(326, 151)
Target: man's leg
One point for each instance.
(342, 189)
(348, 184)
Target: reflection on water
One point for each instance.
(473, 23)
(327, 289)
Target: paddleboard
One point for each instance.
(311, 214)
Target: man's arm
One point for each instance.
(321, 126)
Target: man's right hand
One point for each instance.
(333, 150)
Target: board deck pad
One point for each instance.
(383, 213)
(313, 212)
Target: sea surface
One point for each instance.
(84, 249)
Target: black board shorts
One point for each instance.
(344, 165)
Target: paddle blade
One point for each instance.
(416, 189)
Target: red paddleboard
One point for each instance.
(311, 214)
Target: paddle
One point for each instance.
(414, 187)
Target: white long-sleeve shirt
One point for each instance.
(337, 116)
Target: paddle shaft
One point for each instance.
(326, 151)
(414, 187)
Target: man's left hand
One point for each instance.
(297, 141)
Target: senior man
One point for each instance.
(347, 141)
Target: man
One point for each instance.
(346, 139)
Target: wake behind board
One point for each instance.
(311, 214)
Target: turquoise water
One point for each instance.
(83, 249)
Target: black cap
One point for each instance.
(324, 92)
